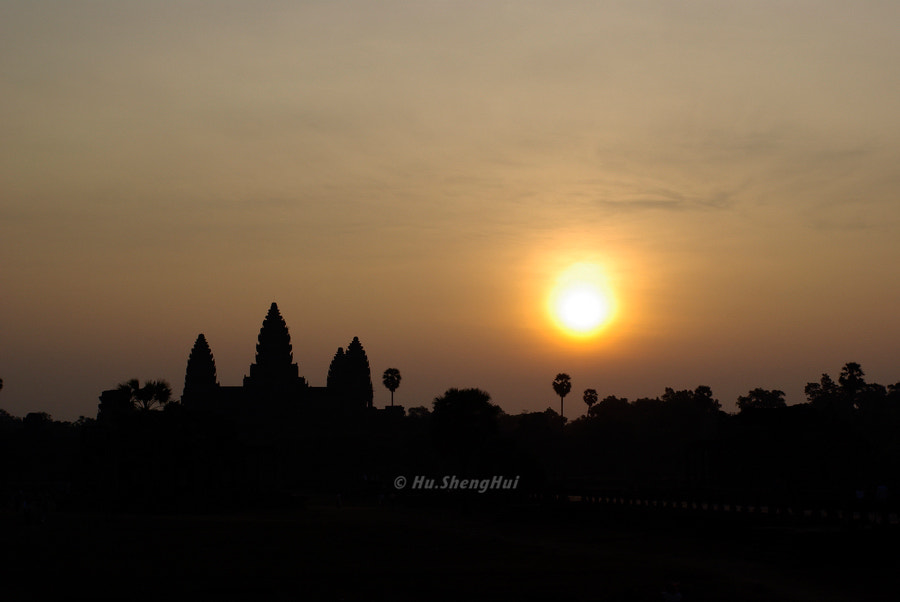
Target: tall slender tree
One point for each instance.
(562, 384)
(391, 380)
(590, 397)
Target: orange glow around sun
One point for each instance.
(581, 304)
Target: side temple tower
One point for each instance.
(200, 385)
(349, 384)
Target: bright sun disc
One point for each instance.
(580, 303)
(582, 308)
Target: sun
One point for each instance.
(582, 307)
(581, 304)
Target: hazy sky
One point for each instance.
(418, 173)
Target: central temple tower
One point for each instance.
(274, 375)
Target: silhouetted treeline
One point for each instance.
(148, 453)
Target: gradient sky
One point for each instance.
(418, 173)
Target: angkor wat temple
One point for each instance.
(272, 434)
(274, 388)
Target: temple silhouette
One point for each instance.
(274, 389)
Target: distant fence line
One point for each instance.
(870, 514)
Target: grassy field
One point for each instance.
(367, 552)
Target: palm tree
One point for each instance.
(590, 398)
(154, 392)
(562, 384)
(131, 389)
(391, 380)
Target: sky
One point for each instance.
(419, 174)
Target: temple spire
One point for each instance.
(200, 375)
(350, 378)
(274, 370)
(274, 351)
(360, 376)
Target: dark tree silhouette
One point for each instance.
(851, 391)
(36, 420)
(465, 406)
(130, 390)
(854, 392)
(590, 398)
(852, 378)
(464, 424)
(419, 413)
(872, 397)
(823, 394)
(611, 407)
(857, 392)
(7, 419)
(391, 380)
(700, 400)
(761, 398)
(692, 414)
(153, 393)
(562, 384)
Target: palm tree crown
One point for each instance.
(562, 384)
(153, 393)
(590, 397)
(391, 380)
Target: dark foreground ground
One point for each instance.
(393, 552)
